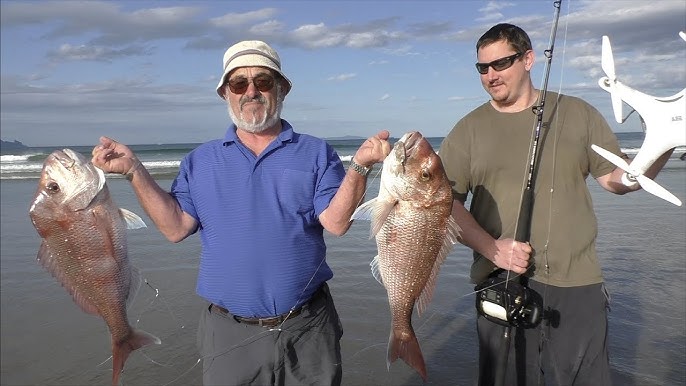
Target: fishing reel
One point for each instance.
(509, 303)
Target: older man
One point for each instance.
(261, 198)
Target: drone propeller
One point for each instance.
(608, 65)
(608, 61)
(646, 183)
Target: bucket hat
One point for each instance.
(250, 53)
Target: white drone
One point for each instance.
(663, 122)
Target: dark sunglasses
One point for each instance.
(499, 64)
(262, 82)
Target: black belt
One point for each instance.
(262, 322)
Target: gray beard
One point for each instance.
(257, 126)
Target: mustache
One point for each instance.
(257, 98)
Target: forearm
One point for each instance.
(657, 166)
(503, 253)
(336, 217)
(160, 206)
(472, 234)
(613, 183)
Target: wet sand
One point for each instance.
(47, 340)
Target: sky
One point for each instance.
(146, 71)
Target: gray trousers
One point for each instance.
(567, 348)
(304, 350)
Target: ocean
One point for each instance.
(162, 160)
(47, 340)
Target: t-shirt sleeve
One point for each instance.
(456, 161)
(601, 135)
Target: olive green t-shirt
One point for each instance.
(487, 154)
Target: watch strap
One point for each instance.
(363, 170)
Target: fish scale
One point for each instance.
(414, 233)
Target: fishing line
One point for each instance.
(523, 224)
(500, 314)
(264, 332)
(382, 344)
(553, 170)
(164, 302)
(554, 155)
(292, 309)
(138, 319)
(226, 350)
(149, 307)
(258, 335)
(366, 189)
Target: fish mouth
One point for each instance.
(408, 145)
(403, 149)
(68, 158)
(411, 140)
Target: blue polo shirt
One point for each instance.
(263, 248)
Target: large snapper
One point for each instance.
(414, 233)
(84, 246)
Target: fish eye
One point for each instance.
(53, 187)
(425, 175)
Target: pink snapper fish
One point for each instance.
(411, 219)
(84, 246)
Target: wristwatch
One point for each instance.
(363, 170)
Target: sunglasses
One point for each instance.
(262, 82)
(499, 64)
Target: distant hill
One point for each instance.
(345, 137)
(13, 145)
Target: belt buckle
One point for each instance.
(269, 322)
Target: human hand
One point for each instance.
(114, 157)
(512, 255)
(374, 149)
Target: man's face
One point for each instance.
(253, 98)
(505, 86)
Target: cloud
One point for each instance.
(405, 50)
(105, 22)
(643, 37)
(268, 28)
(184, 44)
(67, 52)
(231, 20)
(317, 36)
(491, 12)
(342, 77)
(429, 29)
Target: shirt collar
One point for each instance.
(286, 134)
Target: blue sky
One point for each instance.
(146, 71)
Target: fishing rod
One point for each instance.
(523, 229)
(522, 306)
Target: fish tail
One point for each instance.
(121, 350)
(405, 346)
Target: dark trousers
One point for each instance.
(304, 350)
(569, 347)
